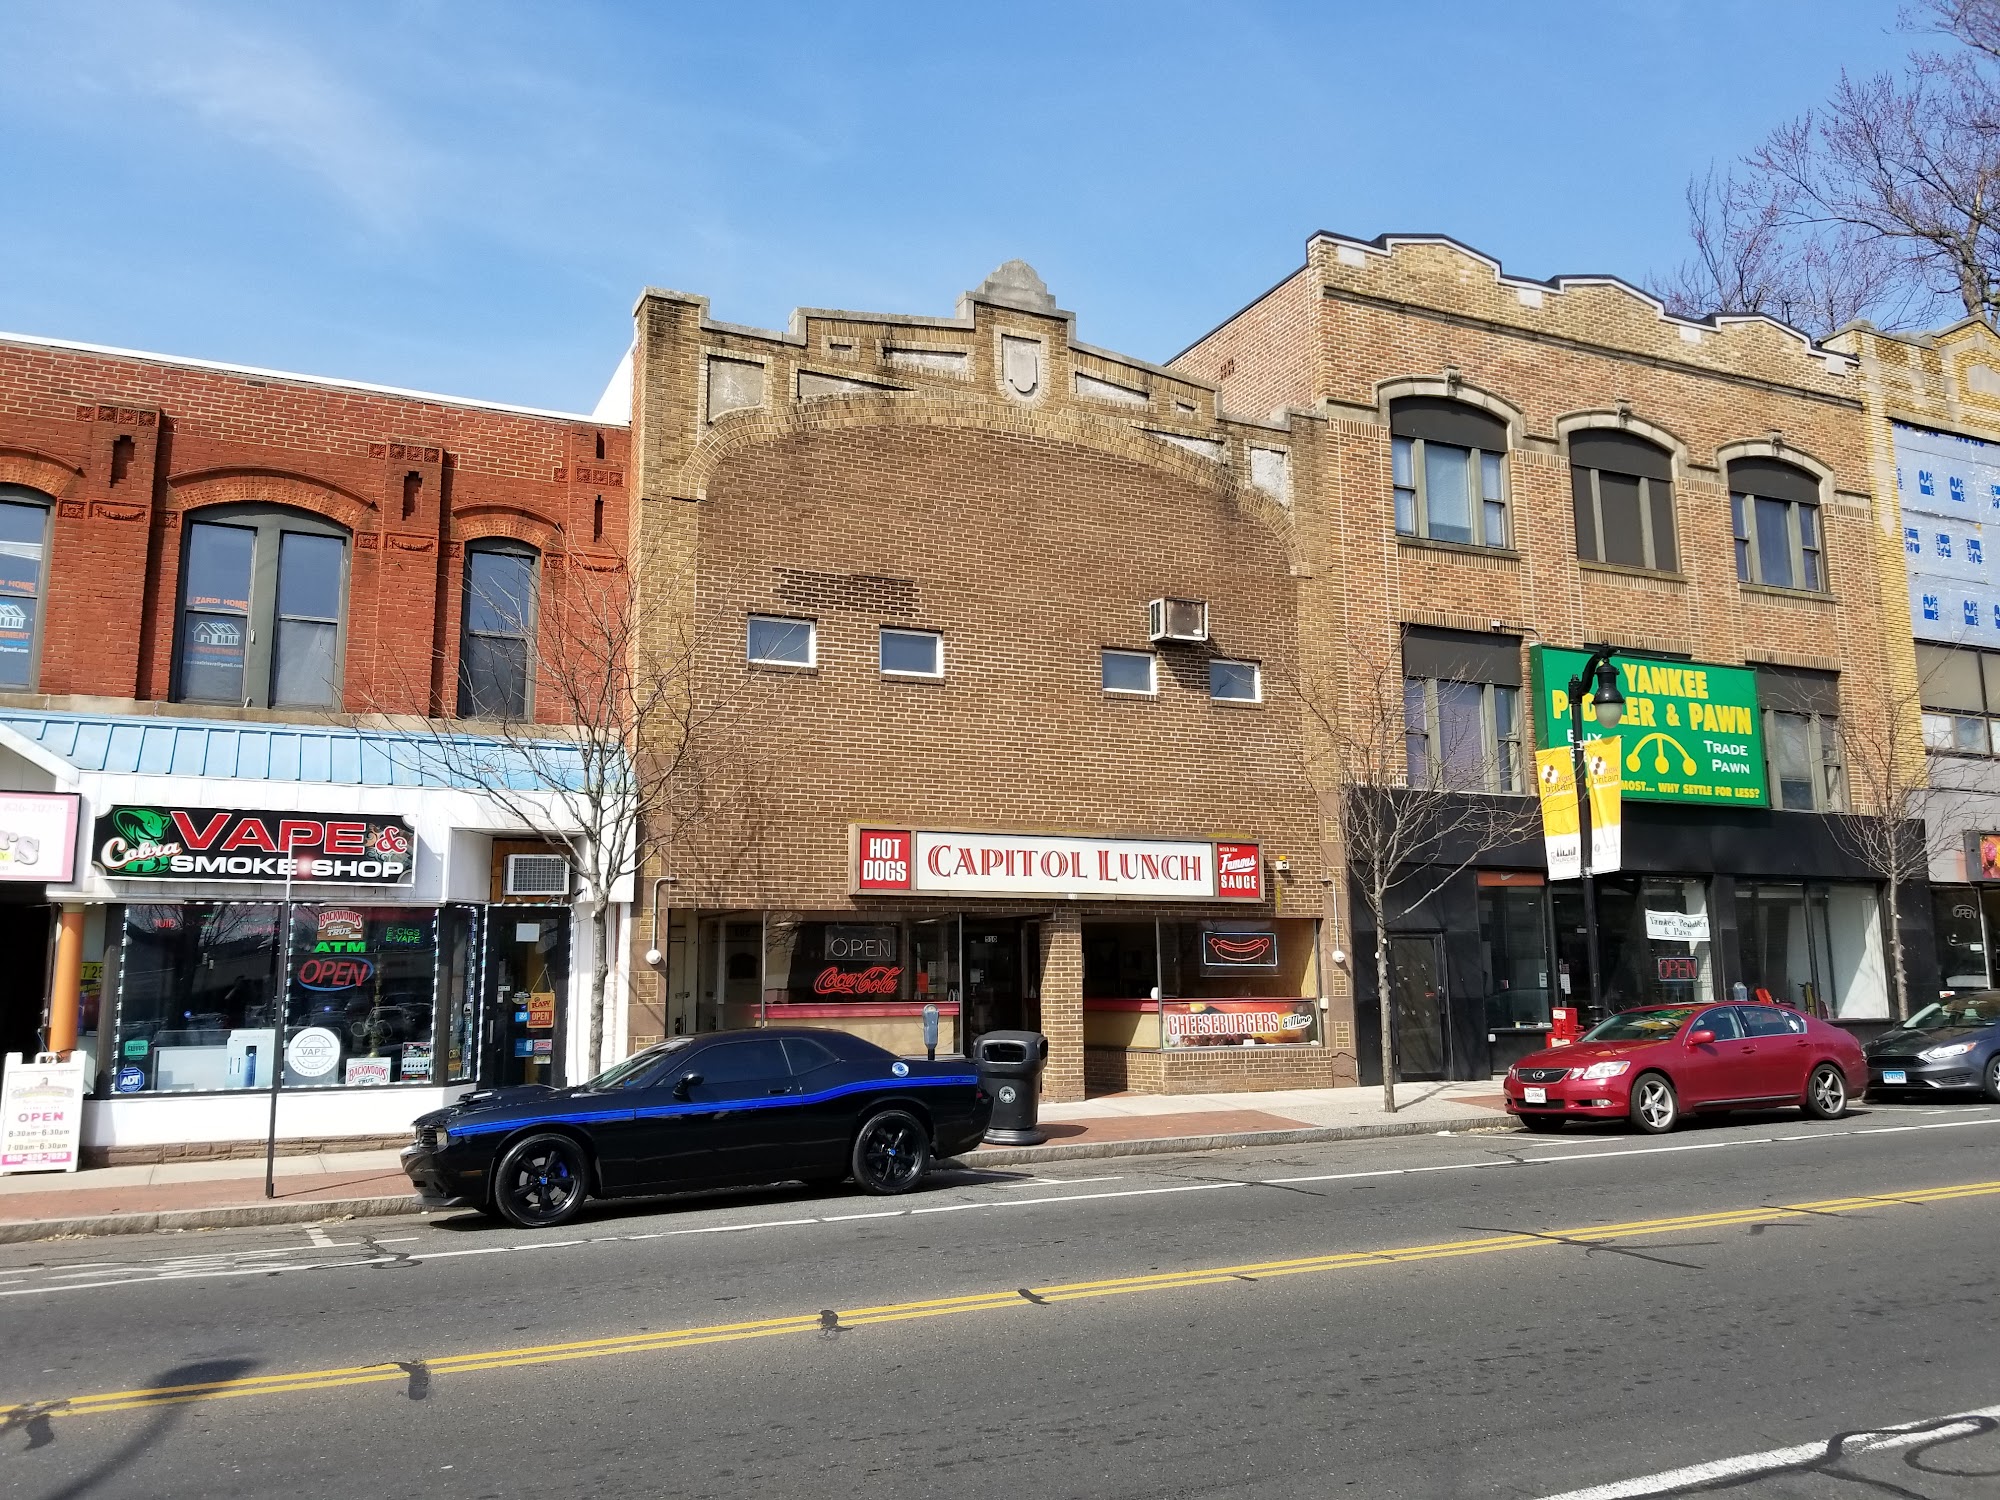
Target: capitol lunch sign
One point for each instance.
(159, 842)
(923, 862)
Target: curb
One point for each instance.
(313, 1211)
(1007, 1156)
(229, 1216)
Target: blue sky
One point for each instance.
(468, 197)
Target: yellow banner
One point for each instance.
(1562, 834)
(1607, 802)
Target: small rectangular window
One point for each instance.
(1235, 681)
(1130, 672)
(912, 653)
(774, 641)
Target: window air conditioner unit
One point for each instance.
(537, 875)
(1177, 620)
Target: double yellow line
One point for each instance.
(830, 1324)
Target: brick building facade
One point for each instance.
(1933, 429)
(1612, 476)
(1003, 502)
(227, 593)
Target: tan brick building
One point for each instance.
(1509, 464)
(958, 762)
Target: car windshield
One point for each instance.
(1640, 1025)
(1960, 1010)
(639, 1064)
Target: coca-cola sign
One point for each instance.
(881, 979)
(925, 862)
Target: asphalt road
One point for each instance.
(1748, 1307)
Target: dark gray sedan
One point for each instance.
(1954, 1044)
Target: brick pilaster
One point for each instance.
(1062, 1004)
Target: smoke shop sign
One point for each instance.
(922, 862)
(1691, 732)
(206, 843)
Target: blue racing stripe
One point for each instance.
(692, 1107)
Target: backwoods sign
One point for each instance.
(923, 862)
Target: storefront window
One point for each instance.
(1514, 937)
(198, 985)
(1653, 937)
(1818, 947)
(1220, 982)
(1961, 937)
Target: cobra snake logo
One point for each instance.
(1660, 755)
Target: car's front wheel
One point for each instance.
(1990, 1083)
(541, 1181)
(1655, 1109)
(1826, 1093)
(891, 1153)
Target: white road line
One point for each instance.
(318, 1237)
(1620, 1151)
(1747, 1465)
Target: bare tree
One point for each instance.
(1750, 258)
(616, 756)
(1405, 832)
(1904, 805)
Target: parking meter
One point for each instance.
(930, 1032)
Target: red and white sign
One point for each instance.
(920, 862)
(38, 836)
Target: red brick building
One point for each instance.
(224, 594)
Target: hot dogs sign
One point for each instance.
(924, 862)
(204, 843)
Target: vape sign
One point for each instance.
(926, 862)
(205, 843)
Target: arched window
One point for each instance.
(24, 550)
(262, 609)
(1776, 510)
(498, 626)
(1449, 466)
(1624, 493)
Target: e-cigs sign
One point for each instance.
(205, 843)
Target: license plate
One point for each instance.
(1535, 1096)
(1895, 1075)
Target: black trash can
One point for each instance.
(1009, 1064)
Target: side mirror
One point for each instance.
(687, 1081)
(1700, 1038)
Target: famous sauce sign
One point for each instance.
(925, 862)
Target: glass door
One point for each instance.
(1416, 967)
(527, 973)
(992, 976)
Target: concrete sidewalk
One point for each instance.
(358, 1184)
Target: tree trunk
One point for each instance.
(1387, 1011)
(600, 968)
(1896, 951)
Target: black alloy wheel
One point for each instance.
(1826, 1093)
(1541, 1124)
(541, 1181)
(1655, 1109)
(1990, 1082)
(892, 1152)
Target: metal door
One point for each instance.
(1419, 1006)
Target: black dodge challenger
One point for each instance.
(728, 1107)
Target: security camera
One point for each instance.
(1339, 958)
(655, 958)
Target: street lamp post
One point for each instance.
(1609, 704)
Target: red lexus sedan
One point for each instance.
(1655, 1064)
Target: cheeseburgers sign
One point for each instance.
(205, 843)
